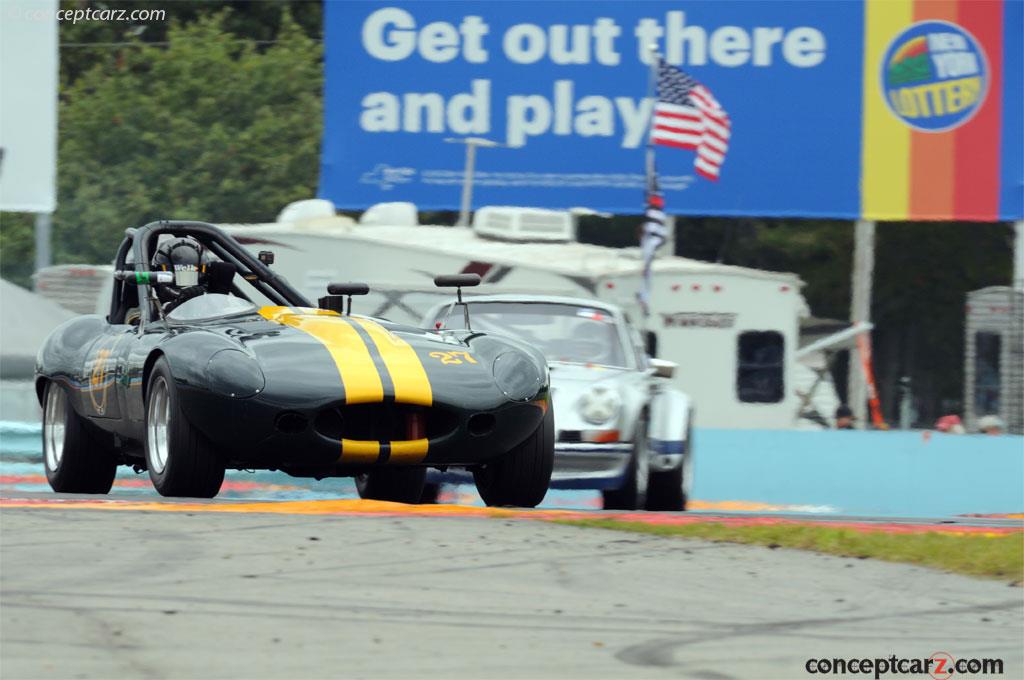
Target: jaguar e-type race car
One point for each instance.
(210, 360)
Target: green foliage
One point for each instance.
(86, 43)
(996, 556)
(17, 248)
(207, 128)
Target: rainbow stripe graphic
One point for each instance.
(918, 174)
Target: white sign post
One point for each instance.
(28, 113)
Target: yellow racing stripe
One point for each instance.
(411, 451)
(407, 372)
(353, 451)
(351, 355)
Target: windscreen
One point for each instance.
(569, 333)
(211, 306)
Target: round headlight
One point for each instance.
(599, 405)
(516, 376)
(235, 374)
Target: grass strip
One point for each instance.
(989, 555)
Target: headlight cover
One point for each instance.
(516, 376)
(600, 404)
(234, 373)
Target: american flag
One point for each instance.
(687, 116)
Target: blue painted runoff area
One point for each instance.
(899, 474)
(878, 474)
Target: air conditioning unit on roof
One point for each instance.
(524, 224)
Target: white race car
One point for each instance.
(620, 425)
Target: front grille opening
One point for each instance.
(384, 422)
(291, 422)
(570, 436)
(481, 424)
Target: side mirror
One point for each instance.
(663, 369)
(348, 288)
(651, 343)
(266, 257)
(335, 300)
(457, 280)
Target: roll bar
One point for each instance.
(142, 242)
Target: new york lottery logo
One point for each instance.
(934, 76)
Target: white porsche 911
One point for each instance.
(620, 425)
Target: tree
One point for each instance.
(209, 127)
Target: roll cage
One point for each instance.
(141, 242)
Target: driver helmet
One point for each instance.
(183, 255)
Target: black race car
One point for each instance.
(210, 360)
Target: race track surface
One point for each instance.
(192, 594)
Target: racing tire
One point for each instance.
(632, 495)
(521, 477)
(398, 485)
(181, 461)
(665, 491)
(78, 459)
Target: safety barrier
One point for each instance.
(908, 474)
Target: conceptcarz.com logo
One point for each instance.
(940, 666)
(934, 76)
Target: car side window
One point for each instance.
(760, 367)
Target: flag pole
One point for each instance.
(652, 95)
(649, 170)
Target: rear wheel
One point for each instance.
(633, 493)
(181, 461)
(399, 485)
(431, 492)
(521, 477)
(78, 459)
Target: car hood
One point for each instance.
(303, 351)
(582, 376)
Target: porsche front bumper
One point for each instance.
(590, 465)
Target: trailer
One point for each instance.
(994, 357)
(733, 331)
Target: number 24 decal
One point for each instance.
(453, 357)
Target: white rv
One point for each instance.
(733, 331)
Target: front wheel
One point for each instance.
(181, 461)
(632, 495)
(520, 478)
(665, 491)
(398, 485)
(77, 459)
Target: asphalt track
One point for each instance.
(195, 592)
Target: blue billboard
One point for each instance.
(565, 88)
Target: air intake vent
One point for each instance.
(524, 224)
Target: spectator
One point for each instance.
(991, 425)
(844, 418)
(950, 424)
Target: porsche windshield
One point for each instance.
(570, 333)
(211, 306)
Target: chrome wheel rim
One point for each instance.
(643, 463)
(157, 416)
(53, 431)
